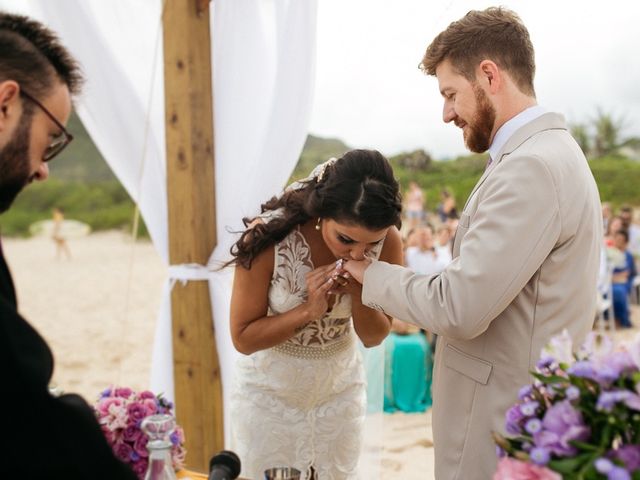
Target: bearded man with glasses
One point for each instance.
(50, 437)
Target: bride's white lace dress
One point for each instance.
(302, 403)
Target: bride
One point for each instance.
(299, 395)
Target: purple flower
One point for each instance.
(533, 425)
(513, 418)
(612, 366)
(618, 473)
(539, 456)
(608, 400)
(572, 393)
(582, 369)
(528, 409)
(175, 438)
(545, 363)
(561, 424)
(105, 393)
(603, 465)
(630, 456)
(525, 392)
(134, 456)
(500, 453)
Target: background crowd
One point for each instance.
(428, 235)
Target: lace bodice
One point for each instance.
(288, 289)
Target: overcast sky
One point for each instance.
(370, 93)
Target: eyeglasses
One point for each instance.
(61, 141)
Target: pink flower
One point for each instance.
(131, 433)
(124, 392)
(106, 404)
(136, 412)
(146, 394)
(150, 406)
(140, 446)
(512, 469)
(123, 451)
(116, 418)
(140, 467)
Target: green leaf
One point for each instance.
(569, 465)
(585, 446)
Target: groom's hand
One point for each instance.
(356, 268)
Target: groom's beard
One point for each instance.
(477, 138)
(14, 164)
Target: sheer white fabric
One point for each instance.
(263, 72)
(302, 403)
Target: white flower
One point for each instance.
(559, 348)
(633, 348)
(596, 346)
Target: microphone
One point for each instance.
(224, 466)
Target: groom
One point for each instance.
(526, 250)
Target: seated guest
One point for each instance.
(443, 243)
(622, 280)
(615, 224)
(424, 257)
(408, 369)
(45, 437)
(628, 224)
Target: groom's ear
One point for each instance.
(489, 76)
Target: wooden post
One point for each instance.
(192, 223)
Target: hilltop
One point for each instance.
(85, 187)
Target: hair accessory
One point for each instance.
(323, 168)
(317, 174)
(318, 223)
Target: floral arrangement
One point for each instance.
(120, 412)
(580, 419)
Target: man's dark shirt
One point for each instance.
(43, 437)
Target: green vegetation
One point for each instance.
(84, 187)
(317, 150)
(82, 184)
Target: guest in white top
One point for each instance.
(443, 242)
(424, 258)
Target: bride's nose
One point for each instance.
(358, 252)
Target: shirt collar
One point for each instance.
(509, 128)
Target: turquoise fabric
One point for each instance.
(408, 373)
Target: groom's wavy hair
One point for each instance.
(359, 188)
(496, 34)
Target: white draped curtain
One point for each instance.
(263, 71)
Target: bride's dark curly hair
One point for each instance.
(359, 188)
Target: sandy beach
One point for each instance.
(98, 312)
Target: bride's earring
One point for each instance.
(318, 223)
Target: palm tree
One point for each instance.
(580, 132)
(607, 134)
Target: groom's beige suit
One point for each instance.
(526, 256)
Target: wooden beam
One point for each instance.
(192, 224)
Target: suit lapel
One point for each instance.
(547, 121)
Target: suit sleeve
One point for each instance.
(514, 228)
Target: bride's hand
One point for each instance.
(319, 282)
